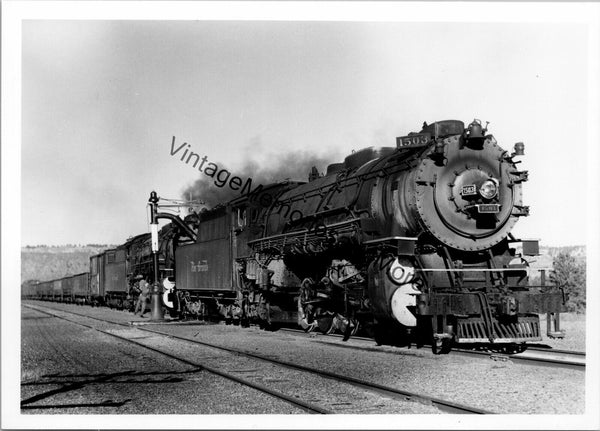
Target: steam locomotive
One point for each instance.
(406, 243)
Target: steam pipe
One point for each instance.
(188, 232)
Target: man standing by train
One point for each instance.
(144, 288)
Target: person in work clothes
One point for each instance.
(144, 288)
(134, 291)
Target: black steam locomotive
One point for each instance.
(407, 243)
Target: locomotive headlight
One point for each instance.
(489, 188)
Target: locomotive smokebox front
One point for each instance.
(465, 190)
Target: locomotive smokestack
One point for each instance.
(314, 174)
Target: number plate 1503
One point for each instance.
(488, 208)
(412, 141)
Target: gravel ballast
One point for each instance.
(498, 386)
(74, 370)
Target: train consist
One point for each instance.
(406, 243)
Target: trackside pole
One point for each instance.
(155, 305)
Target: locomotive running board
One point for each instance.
(302, 237)
(402, 245)
(473, 330)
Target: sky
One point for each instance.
(103, 99)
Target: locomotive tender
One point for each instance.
(408, 243)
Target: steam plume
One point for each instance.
(293, 165)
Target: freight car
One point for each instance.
(75, 288)
(46, 291)
(113, 271)
(57, 292)
(43, 290)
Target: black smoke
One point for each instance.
(292, 165)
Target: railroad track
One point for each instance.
(540, 358)
(536, 356)
(309, 407)
(558, 351)
(392, 392)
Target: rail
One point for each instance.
(443, 405)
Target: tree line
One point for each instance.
(569, 274)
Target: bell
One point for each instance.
(475, 130)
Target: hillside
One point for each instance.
(51, 262)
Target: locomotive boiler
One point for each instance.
(407, 242)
